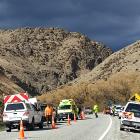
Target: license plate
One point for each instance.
(15, 124)
(14, 118)
(15, 115)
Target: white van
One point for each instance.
(130, 118)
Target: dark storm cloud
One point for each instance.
(115, 23)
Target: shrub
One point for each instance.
(117, 89)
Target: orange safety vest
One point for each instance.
(48, 111)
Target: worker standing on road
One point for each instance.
(113, 110)
(79, 111)
(48, 114)
(96, 110)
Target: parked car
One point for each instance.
(131, 116)
(88, 110)
(14, 112)
(107, 110)
(118, 109)
(18, 110)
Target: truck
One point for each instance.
(67, 107)
(19, 107)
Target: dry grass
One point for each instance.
(116, 89)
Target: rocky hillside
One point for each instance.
(126, 60)
(39, 59)
(7, 86)
(112, 81)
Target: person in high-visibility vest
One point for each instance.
(96, 110)
(113, 110)
(48, 114)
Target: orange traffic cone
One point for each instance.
(81, 116)
(68, 123)
(74, 117)
(21, 132)
(53, 123)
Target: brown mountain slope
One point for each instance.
(126, 60)
(7, 86)
(114, 80)
(41, 59)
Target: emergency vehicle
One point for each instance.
(17, 107)
(67, 106)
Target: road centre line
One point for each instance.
(107, 130)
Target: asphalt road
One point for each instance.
(103, 128)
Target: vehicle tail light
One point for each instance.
(26, 113)
(5, 115)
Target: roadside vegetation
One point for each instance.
(116, 89)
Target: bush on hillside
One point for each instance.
(117, 89)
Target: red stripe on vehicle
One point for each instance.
(16, 99)
(6, 98)
(25, 96)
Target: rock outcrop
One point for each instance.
(126, 60)
(41, 59)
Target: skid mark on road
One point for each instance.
(107, 130)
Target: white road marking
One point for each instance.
(108, 128)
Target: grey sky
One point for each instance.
(114, 22)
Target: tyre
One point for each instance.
(41, 124)
(55, 120)
(18, 127)
(32, 125)
(121, 128)
(8, 129)
(28, 126)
